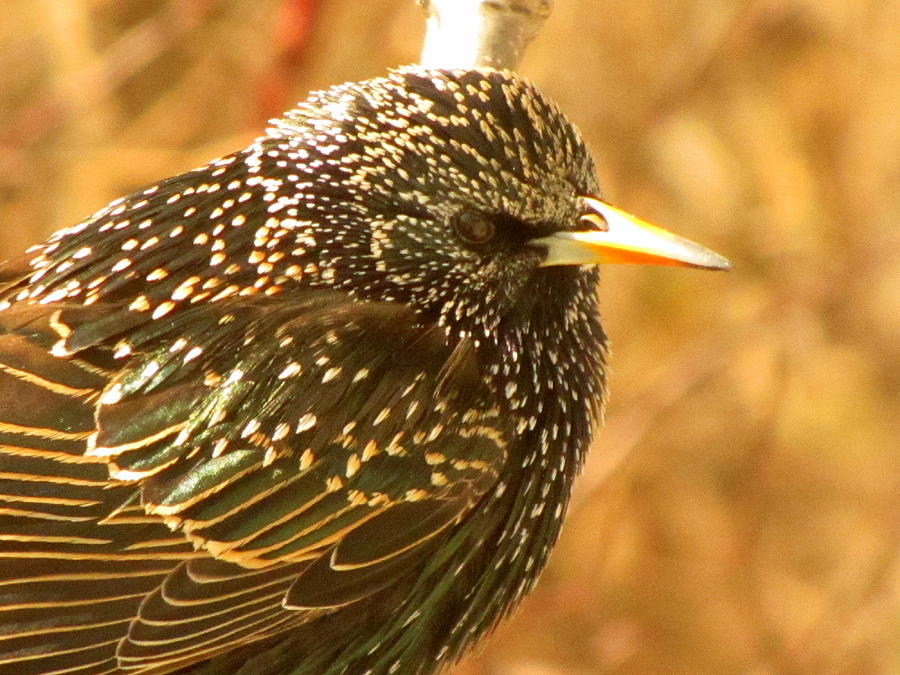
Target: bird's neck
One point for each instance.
(548, 374)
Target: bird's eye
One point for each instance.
(474, 227)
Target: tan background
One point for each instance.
(739, 513)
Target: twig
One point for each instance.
(472, 33)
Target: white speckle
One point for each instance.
(251, 428)
(150, 370)
(290, 370)
(308, 421)
(162, 309)
(269, 457)
(306, 459)
(112, 395)
(193, 353)
(123, 349)
(330, 374)
(353, 465)
(369, 451)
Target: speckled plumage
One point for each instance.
(286, 413)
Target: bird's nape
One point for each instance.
(317, 406)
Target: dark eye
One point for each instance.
(474, 227)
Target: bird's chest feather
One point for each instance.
(550, 392)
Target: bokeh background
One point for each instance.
(740, 512)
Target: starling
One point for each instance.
(317, 406)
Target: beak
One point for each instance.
(614, 236)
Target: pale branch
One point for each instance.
(471, 33)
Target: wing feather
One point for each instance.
(224, 476)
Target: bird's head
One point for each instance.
(466, 194)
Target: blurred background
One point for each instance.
(740, 512)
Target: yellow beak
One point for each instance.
(618, 237)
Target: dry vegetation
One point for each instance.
(741, 511)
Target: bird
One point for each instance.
(317, 406)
